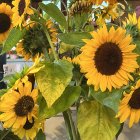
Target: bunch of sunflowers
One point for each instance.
(88, 59)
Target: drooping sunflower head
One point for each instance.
(35, 41)
(18, 105)
(80, 6)
(29, 130)
(130, 106)
(105, 58)
(5, 21)
(20, 9)
(132, 24)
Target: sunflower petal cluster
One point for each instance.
(132, 24)
(107, 13)
(20, 10)
(104, 59)
(5, 21)
(99, 2)
(80, 6)
(130, 106)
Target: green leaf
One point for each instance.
(74, 38)
(2, 92)
(109, 99)
(96, 122)
(53, 79)
(68, 98)
(53, 11)
(137, 50)
(13, 38)
(80, 20)
(65, 47)
(40, 135)
(9, 136)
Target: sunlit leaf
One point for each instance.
(96, 122)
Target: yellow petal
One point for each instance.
(132, 118)
(27, 88)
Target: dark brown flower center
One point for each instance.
(134, 102)
(5, 22)
(21, 7)
(28, 125)
(24, 105)
(108, 58)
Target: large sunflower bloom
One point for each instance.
(130, 106)
(105, 59)
(20, 9)
(35, 41)
(5, 21)
(18, 105)
(29, 130)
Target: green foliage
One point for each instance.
(137, 50)
(53, 11)
(74, 38)
(11, 79)
(3, 91)
(109, 99)
(65, 47)
(80, 20)
(96, 122)
(66, 100)
(89, 28)
(7, 135)
(40, 135)
(15, 35)
(53, 79)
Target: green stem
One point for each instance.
(51, 44)
(70, 125)
(5, 134)
(67, 124)
(46, 55)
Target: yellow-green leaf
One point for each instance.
(96, 122)
(53, 79)
(68, 98)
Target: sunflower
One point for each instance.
(105, 58)
(29, 130)
(18, 105)
(52, 31)
(5, 21)
(26, 75)
(130, 106)
(20, 9)
(35, 41)
(80, 6)
(107, 13)
(132, 24)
